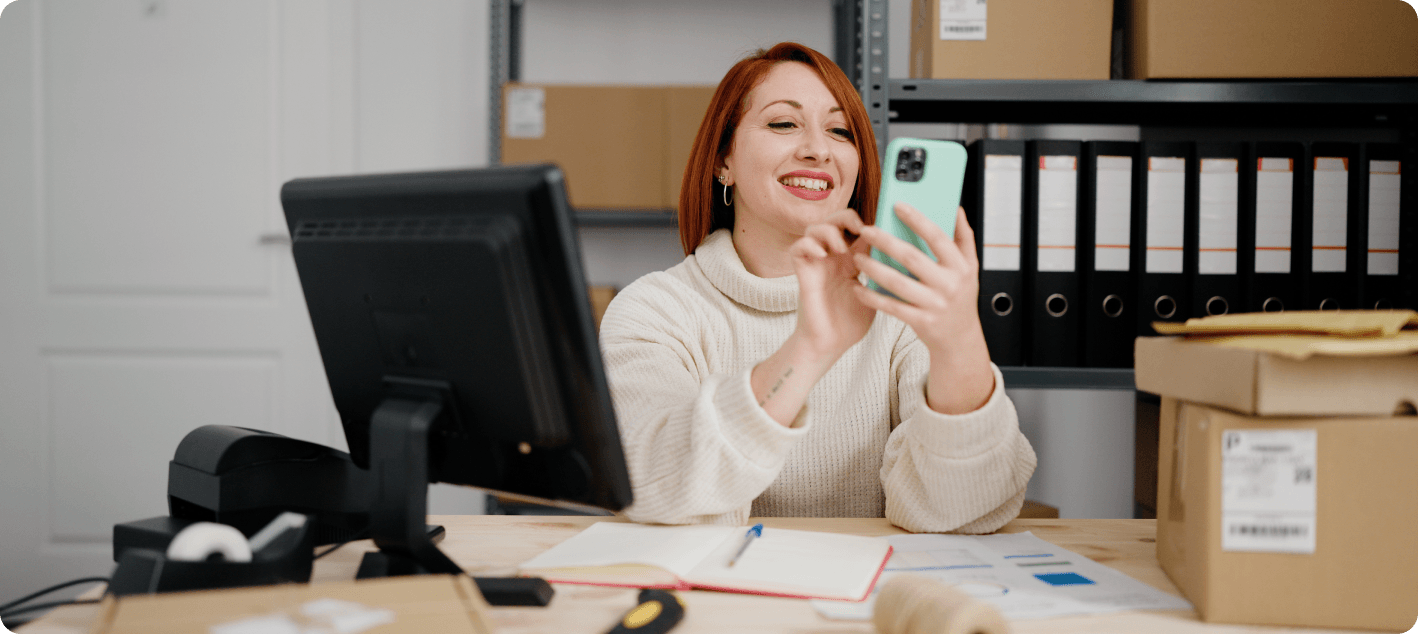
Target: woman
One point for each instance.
(759, 377)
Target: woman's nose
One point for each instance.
(814, 147)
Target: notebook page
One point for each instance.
(673, 548)
(796, 563)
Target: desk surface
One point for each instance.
(494, 544)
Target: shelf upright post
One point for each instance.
(861, 51)
(500, 54)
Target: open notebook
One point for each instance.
(782, 562)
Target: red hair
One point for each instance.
(701, 209)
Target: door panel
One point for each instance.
(116, 418)
(141, 158)
(157, 140)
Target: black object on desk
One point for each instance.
(658, 612)
(452, 317)
(285, 556)
(244, 478)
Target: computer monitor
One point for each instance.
(452, 317)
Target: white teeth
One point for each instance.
(814, 184)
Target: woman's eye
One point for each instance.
(842, 133)
(782, 125)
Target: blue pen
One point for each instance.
(753, 533)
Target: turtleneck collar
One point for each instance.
(721, 264)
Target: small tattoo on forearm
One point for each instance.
(774, 390)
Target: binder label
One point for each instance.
(1219, 193)
(1058, 212)
(1275, 196)
(1166, 195)
(1268, 490)
(1384, 182)
(1331, 214)
(1004, 202)
(962, 19)
(1112, 235)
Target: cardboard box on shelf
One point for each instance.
(609, 140)
(621, 147)
(1198, 39)
(601, 297)
(1011, 39)
(685, 107)
(1290, 521)
(1274, 381)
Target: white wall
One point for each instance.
(660, 41)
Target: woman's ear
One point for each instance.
(723, 176)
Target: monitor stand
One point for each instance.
(398, 458)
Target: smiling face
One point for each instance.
(792, 162)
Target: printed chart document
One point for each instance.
(1022, 575)
(781, 562)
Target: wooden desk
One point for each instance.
(494, 544)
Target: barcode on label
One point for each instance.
(1262, 530)
(963, 29)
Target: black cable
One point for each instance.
(46, 605)
(5, 609)
(358, 536)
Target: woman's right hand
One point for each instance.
(831, 318)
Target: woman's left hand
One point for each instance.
(940, 305)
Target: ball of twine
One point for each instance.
(913, 604)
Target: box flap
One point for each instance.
(1301, 347)
(1274, 375)
(1347, 323)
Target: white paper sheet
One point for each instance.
(1022, 575)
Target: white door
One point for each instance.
(142, 148)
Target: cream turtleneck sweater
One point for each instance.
(679, 346)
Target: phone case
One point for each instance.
(926, 174)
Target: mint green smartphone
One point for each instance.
(927, 175)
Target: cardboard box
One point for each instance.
(601, 297)
(621, 147)
(1011, 39)
(396, 605)
(1273, 382)
(1177, 39)
(685, 108)
(1233, 535)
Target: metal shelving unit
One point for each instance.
(861, 50)
(627, 218)
(1068, 378)
(1230, 104)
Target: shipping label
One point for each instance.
(962, 19)
(1268, 490)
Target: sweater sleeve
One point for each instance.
(952, 473)
(698, 446)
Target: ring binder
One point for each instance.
(993, 201)
(1108, 205)
(1051, 216)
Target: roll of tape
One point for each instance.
(200, 541)
(913, 604)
